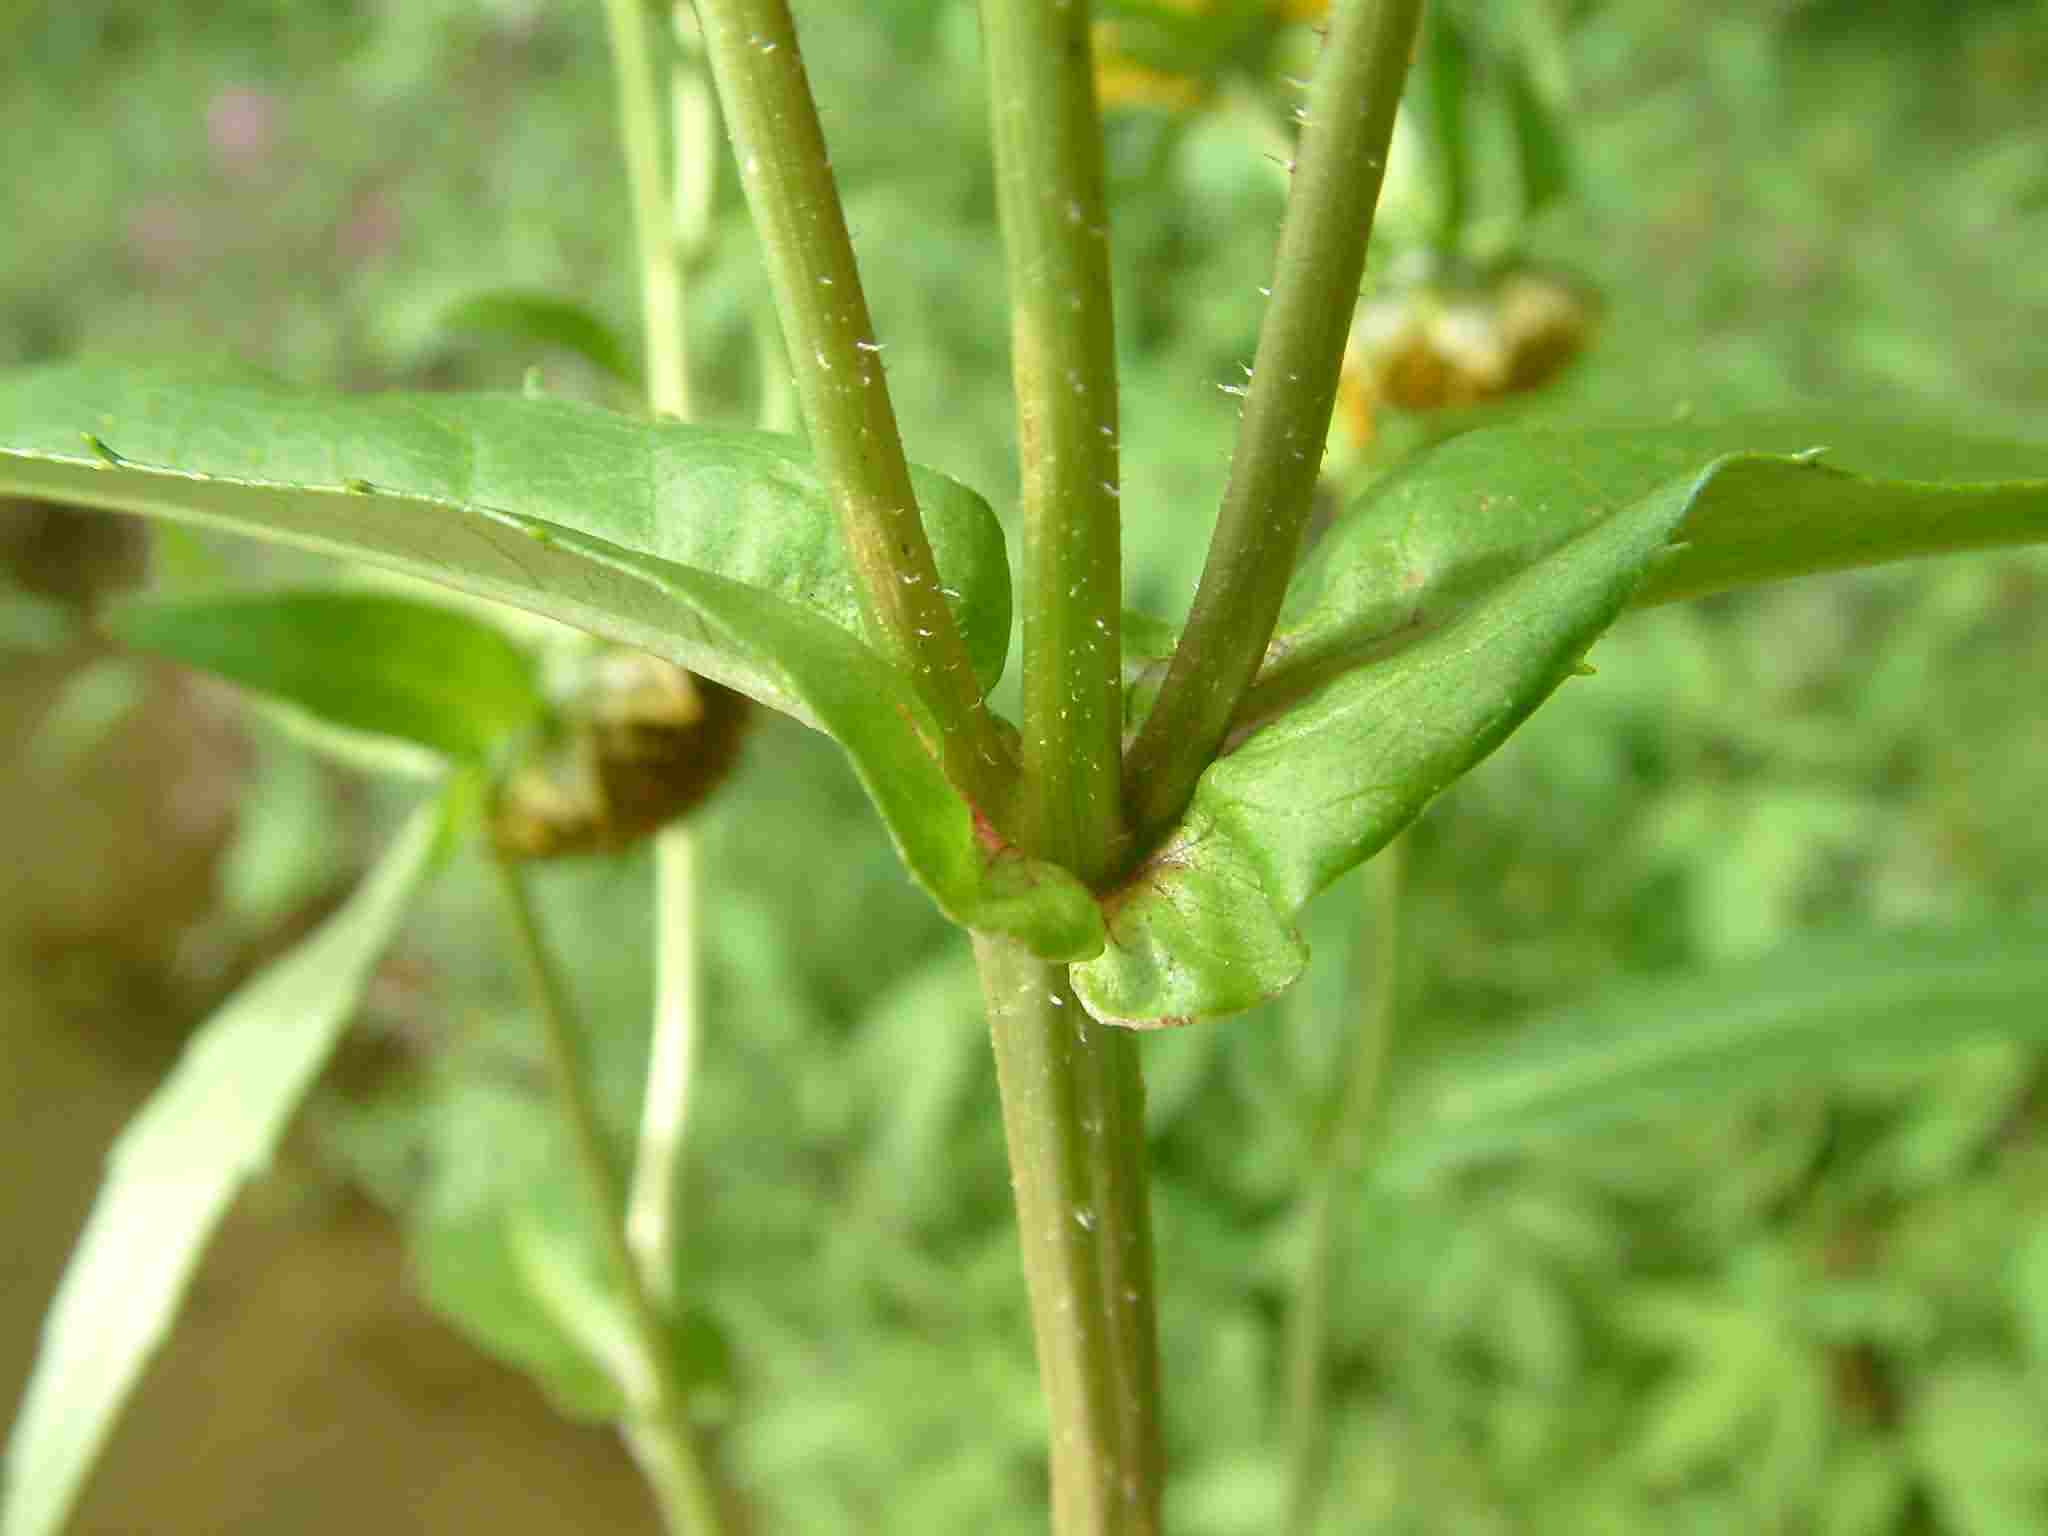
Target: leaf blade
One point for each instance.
(716, 550)
(372, 662)
(1443, 527)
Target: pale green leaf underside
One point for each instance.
(1694, 1042)
(172, 1175)
(717, 550)
(464, 489)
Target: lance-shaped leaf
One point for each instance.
(454, 487)
(1427, 624)
(1810, 493)
(717, 550)
(174, 1172)
(1828, 1003)
(1207, 924)
(372, 662)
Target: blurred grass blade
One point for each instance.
(1697, 1042)
(172, 1175)
(364, 661)
(540, 319)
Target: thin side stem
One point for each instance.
(1287, 406)
(653, 1204)
(1444, 67)
(1048, 160)
(837, 364)
(672, 224)
(1073, 1113)
(661, 273)
(660, 1424)
(1341, 1146)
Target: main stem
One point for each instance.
(1074, 1113)
(661, 1428)
(1048, 155)
(1073, 1098)
(837, 365)
(1287, 406)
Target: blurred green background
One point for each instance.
(1825, 1310)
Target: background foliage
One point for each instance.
(1821, 1309)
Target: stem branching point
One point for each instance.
(1288, 400)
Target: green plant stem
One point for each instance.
(1073, 1097)
(661, 274)
(1048, 161)
(1338, 1153)
(693, 137)
(653, 1210)
(840, 385)
(1287, 406)
(657, 1398)
(1073, 1113)
(672, 224)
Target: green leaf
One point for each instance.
(1446, 606)
(474, 491)
(718, 550)
(1785, 495)
(364, 661)
(1689, 1042)
(545, 320)
(174, 1172)
(1207, 924)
